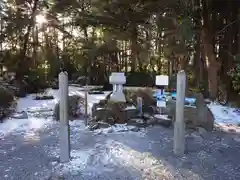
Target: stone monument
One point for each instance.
(179, 124)
(64, 122)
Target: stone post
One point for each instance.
(114, 87)
(64, 122)
(86, 106)
(179, 124)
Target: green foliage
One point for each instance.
(140, 79)
(35, 81)
(6, 97)
(237, 58)
(186, 29)
(234, 73)
(95, 38)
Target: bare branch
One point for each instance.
(225, 27)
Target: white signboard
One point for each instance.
(161, 103)
(161, 80)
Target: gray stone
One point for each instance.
(43, 97)
(137, 122)
(197, 136)
(151, 121)
(201, 130)
(134, 129)
(73, 107)
(189, 112)
(163, 120)
(113, 112)
(92, 126)
(21, 115)
(98, 113)
(131, 112)
(98, 125)
(199, 116)
(103, 125)
(205, 117)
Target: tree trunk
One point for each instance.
(22, 57)
(197, 66)
(207, 38)
(211, 63)
(238, 30)
(134, 50)
(1, 48)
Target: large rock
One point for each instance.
(20, 115)
(73, 107)
(113, 112)
(199, 116)
(147, 96)
(205, 117)
(7, 102)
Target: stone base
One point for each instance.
(118, 96)
(131, 112)
(163, 120)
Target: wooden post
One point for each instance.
(179, 124)
(64, 122)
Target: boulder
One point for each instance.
(116, 111)
(162, 120)
(130, 112)
(7, 102)
(110, 112)
(147, 96)
(137, 122)
(205, 117)
(44, 97)
(98, 113)
(199, 116)
(73, 107)
(20, 115)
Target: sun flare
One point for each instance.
(41, 19)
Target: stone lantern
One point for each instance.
(117, 79)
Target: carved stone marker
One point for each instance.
(64, 122)
(140, 106)
(179, 124)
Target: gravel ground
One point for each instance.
(29, 150)
(32, 154)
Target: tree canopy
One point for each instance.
(95, 37)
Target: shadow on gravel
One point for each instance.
(210, 156)
(124, 156)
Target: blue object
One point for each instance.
(159, 96)
(174, 95)
(190, 100)
(237, 111)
